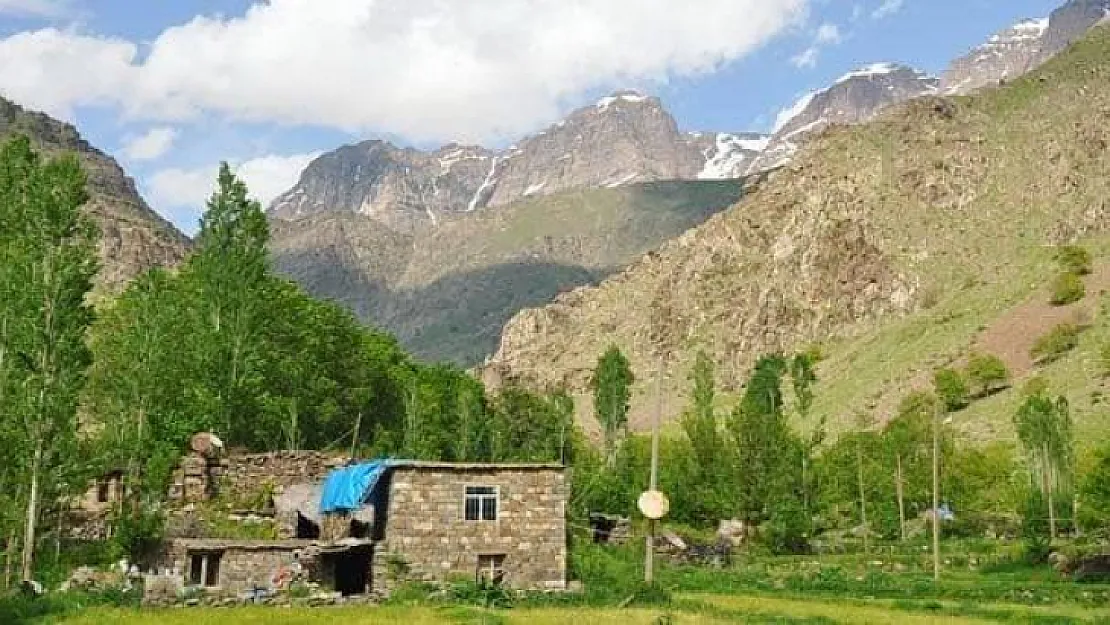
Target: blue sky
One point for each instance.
(174, 88)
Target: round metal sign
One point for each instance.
(654, 504)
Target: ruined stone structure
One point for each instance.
(427, 521)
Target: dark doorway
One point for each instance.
(352, 570)
(306, 529)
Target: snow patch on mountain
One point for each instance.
(607, 101)
(731, 153)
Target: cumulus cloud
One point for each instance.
(53, 70)
(180, 193)
(422, 69)
(150, 145)
(887, 8)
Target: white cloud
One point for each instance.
(35, 8)
(887, 8)
(806, 58)
(54, 71)
(181, 193)
(827, 34)
(151, 145)
(422, 69)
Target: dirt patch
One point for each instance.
(1011, 336)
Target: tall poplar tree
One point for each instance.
(612, 387)
(47, 261)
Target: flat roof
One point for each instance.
(476, 466)
(263, 545)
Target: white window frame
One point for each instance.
(496, 496)
(496, 571)
(206, 558)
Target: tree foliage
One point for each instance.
(951, 389)
(47, 262)
(612, 388)
(987, 373)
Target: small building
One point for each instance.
(426, 521)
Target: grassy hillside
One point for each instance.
(447, 291)
(899, 246)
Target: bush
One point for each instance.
(951, 389)
(987, 373)
(1067, 289)
(1074, 259)
(1059, 341)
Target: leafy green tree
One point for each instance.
(1074, 259)
(1043, 425)
(1095, 492)
(987, 373)
(951, 388)
(612, 388)
(707, 475)
(803, 376)
(47, 261)
(1067, 288)
(907, 440)
(1059, 341)
(767, 452)
(228, 276)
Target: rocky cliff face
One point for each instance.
(133, 237)
(401, 188)
(1022, 47)
(854, 98)
(1007, 54)
(623, 138)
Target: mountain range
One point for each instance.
(357, 225)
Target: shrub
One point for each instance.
(1074, 259)
(987, 373)
(1059, 341)
(951, 389)
(1067, 289)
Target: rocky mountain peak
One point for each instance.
(1022, 47)
(401, 187)
(855, 97)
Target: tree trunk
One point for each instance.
(863, 501)
(32, 515)
(1048, 488)
(901, 499)
(8, 559)
(936, 494)
(805, 492)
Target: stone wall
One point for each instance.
(244, 565)
(425, 527)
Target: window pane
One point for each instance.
(471, 509)
(489, 509)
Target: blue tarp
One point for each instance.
(347, 489)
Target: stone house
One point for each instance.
(428, 521)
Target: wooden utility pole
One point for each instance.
(649, 552)
(901, 499)
(936, 493)
(862, 498)
(354, 437)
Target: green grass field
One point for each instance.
(875, 589)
